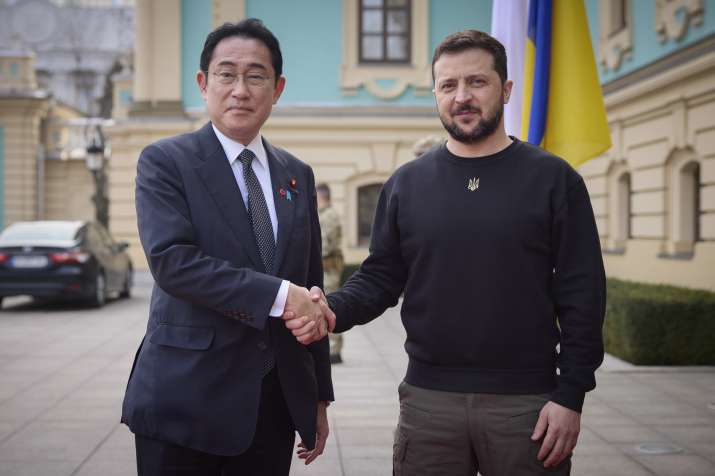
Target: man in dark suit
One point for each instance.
(230, 229)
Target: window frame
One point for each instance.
(417, 74)
(615, 41)
(384, 34)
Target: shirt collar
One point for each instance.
(233, 148)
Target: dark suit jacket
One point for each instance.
(196, 379)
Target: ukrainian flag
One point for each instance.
(562, 105)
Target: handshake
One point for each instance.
(307, 314)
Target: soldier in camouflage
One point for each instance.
(331, 232)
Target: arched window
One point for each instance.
(367, 202)
(620, 208)
(623, 231)
(689, 178)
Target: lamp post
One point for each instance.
(95, 161)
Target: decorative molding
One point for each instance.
(614, 47)
(680, 123)
(354, 75)
(228, 11)
(679, 65)
(674, 17)
(17, 72)
(156, 108)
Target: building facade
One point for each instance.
(653, 192)
(353, 119)
(57, 65)
(358, 97)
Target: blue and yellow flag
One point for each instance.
(562, 108)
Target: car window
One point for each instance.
(40, 231)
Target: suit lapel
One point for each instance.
(216, 173)
(285, 209)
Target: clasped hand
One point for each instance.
(307, 314)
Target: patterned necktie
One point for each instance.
(258, 212)
(262, 230)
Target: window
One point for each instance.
(620, 208)
(690, 202)
(386, 45)
(367, 203)
(615, 33)
(624, 208)
(697, 236)
(685, 206)
(385, 31)
(618, 16)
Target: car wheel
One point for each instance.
(100, 291)
(128, 281)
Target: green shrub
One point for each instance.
(659, 325)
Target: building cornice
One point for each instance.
(671, 68)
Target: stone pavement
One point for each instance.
(63, 372)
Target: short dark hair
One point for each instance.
(248, 28)
(323, 189)
(473, 39)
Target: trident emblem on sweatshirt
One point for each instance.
(473, 184)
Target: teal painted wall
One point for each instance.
(2, 177)
(592, 17)
(449, 16)
(311, 41)
(195, 25)
(647, 47)
(310, 34)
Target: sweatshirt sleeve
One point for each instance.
(381, 278)
(579, 290)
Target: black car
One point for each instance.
(64, 259)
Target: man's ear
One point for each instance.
(280, 86)
(506, 92)
(202, 80)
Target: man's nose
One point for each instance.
(463, 93)
(239, 87)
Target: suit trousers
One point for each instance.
(270, 453)
(457, 434)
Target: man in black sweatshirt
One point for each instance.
(494, 245)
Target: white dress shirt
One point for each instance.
(263, 173)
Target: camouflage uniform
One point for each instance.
(331, 233)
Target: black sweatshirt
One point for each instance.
(499, 261)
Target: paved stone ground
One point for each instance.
(63, 370)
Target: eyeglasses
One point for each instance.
(253, 79)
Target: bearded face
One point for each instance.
(470, 95)
(485, 125)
